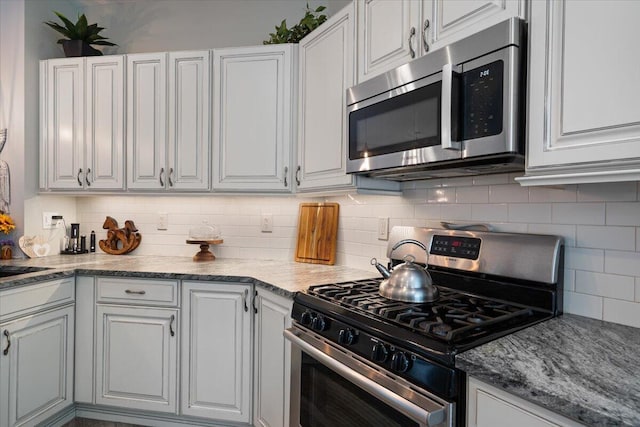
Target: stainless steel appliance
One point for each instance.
(456, 111)
(360, 359)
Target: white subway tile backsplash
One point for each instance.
(527, 212)
(584, 259)
(583, 305)
(477, 194)
(567, 232)
(512, 193)
(552, 194)
(578, 213)
(624, 312)
(605, 285)
(625, 213)
(622, 262)
(489, 212)
(605, 237)
(599, 222)
(608, 192)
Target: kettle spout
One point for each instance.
(381, 268)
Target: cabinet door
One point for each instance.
(188, 121)
(584, 114)
(388, 35)
(252, 118)
(272, 364)
(65, 123)
(444, 22)
(136, 357)
(326, 71)
(36, 374)
(216, 351)
(104, 140)
(146, 121)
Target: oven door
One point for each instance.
(331, 387)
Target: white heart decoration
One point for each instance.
(41, 250)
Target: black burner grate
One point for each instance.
(454, 317)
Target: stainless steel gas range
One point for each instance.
(360, 359)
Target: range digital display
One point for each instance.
(459, 247)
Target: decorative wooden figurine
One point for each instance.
(120, 240)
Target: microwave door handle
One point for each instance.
(445, 116)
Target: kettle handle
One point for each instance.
(415, 242)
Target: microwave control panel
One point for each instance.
(482, 101)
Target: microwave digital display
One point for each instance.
(482, 101)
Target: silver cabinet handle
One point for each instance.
(445, 116)
(297, 175)
(244, 300)
(78, 177)
(171, 331)
(286, 171)
(6, 349)
(130, 292)
(412, 34)
(255, 297)
(169, 177)
(425, 31)
(86, 177)
(160, 176)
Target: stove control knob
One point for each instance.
(379, 353)
(399, 362)
(319, 323)
(346, 336)
(306, 318)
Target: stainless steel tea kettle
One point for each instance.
(407, 282)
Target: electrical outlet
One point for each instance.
(266, 223)
(383, 228)
(163, 221)
(47, 220)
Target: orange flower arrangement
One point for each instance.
(6, 223)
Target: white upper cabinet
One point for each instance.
(584, 113)
(326, 71)
(82, 129)
(252, 116)
(393, 32)
(188, 120)
(146, 120)
(168, 151)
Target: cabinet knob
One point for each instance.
(86, 177)
(78, 177)
(169, 177)
(161, 176)
(297, 175)
(286, 171)
(171, 331)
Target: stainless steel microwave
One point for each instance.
(456, 111)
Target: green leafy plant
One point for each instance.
(311, 20)
(81, 30)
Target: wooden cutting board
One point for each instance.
(317, 233)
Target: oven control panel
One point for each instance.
(455, 246)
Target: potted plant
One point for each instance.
(79, 36)
(311, 20)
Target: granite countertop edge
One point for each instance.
(578, 367)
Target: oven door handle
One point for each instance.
(411, 410)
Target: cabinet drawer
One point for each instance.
(27, 299)
(137, 291)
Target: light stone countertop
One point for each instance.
(584, 369)
(284, 277)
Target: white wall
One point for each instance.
(600, 224)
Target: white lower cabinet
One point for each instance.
(36, 353)
(488, 406)
(272, 363)
(216, 351)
